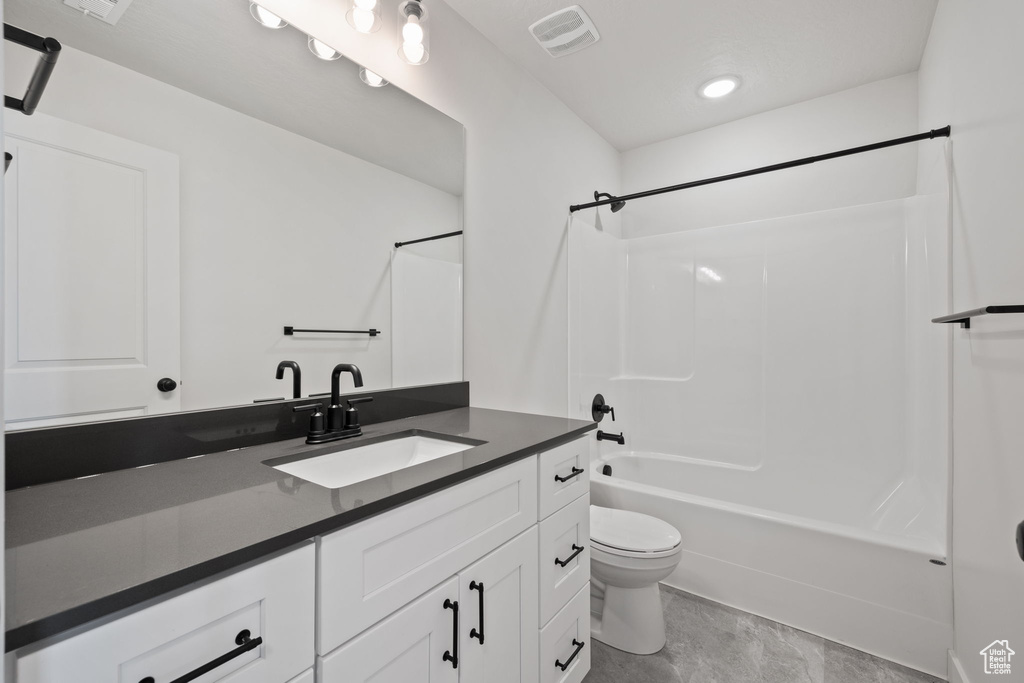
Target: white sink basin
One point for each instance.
(352, 465)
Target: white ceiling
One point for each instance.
(639, 83)
(216, 50)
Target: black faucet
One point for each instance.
(341, 423)
(296, 376)
(335, 413)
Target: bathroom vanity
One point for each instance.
(472, 566)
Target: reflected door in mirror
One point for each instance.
(91, 275)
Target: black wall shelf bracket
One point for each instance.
(50, 50)
(289, 331)
(964, 318)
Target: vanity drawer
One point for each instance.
(562, 637)
(563, 475)
(561, 535)
(272, 600)
(370, 569)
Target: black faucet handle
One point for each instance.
(352, 414)
(316, 420)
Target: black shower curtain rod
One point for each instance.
(937, 133)
(399, 245)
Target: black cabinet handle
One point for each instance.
(245, 643)
(576, 471)
(579, 646)
(448, 656)
(479, 635)
(577, 549)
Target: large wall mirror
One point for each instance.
(191, 184)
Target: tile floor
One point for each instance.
(712, 643)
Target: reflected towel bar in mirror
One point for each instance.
(289, 331)
(965, 318)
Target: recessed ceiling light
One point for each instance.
(323, 50)
(268, 19)
(719, 87)
(371, 79)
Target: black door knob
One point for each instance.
(166, 384)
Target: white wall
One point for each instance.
(275, 230)
(871, 113)
(528, 158)
(970, 78)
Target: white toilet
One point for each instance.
(629, 554)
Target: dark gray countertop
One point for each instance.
(83, 549)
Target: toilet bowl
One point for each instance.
(629, 554)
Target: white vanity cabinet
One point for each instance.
(476, 626)
(483, 582)
(263, 614)
(388, 587)
(564, 562)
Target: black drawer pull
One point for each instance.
(245, 643)
(576, 471)
(448, 656)
(473, 633)
(579, 646)
(577, 549)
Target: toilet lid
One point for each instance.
(633, 531)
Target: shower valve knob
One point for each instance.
(598, 409)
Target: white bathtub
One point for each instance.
(850, 575)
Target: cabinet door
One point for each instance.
(407, 647)
(498, 596)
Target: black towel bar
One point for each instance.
(50, 50)
(289, 330)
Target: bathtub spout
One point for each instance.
(619, 438)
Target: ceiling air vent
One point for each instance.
(105, 10)
(566, 31)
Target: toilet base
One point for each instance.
(628, 619)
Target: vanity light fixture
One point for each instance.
(323, 50)
(413, 37)
(370, 78)
(719, 87)
(364, 16)
(268, 19)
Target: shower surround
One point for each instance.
(784, 400)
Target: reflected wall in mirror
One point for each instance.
(191, 184)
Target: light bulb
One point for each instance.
(363, 19)
(413, 52)
(412, 32)
(268, 19)
(323, 50)
(371, 79)
(364, 16)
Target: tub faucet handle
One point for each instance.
(598, 409)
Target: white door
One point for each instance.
(91, 275)
(506, 619)
(407, 647)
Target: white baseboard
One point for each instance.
(955, 672)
